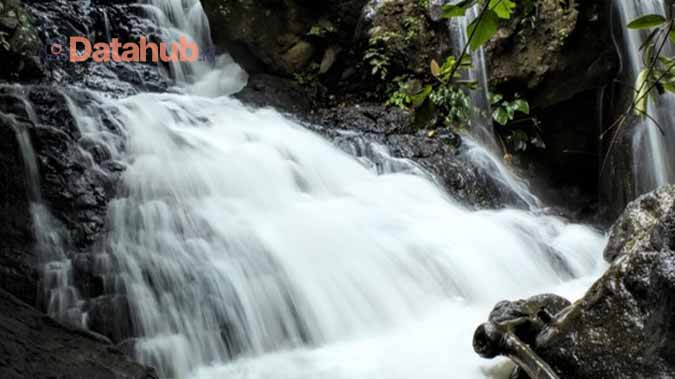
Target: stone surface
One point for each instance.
(34, 346)
(624, 326)
(554, 50)
(644, 225)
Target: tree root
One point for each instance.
(492, 339)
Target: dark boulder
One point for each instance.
(17, 260)
(646, 225)
(553, 50)
(624, 326)
(352, 49)
(35, 346)
(264, 90)
(280, 36)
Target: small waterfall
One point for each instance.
(106, 21)
(653, 144)
(481, 128)
(61, 299)
(483, 149)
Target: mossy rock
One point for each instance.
(20, 47)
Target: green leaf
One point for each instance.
(669, 86)
(449, 65)
(501, 115)
(482, 29)
(522, 106)
(671, 34)
(421, 97)
(646, 22)
(641, 95)
(496, 98)
(451, 10)
(456, 9)
(502, 8)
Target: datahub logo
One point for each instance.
(81, 49)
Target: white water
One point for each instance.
(244, 224)
(251, 248)
(653, 149)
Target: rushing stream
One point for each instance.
(251, 248)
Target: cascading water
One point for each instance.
(60, 296)
(249, 247)
(482, 147)
(481, 128)
(654, 137)
(242, 235)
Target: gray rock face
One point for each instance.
(34, 346)
(624, 326)
(280, 36)
(643, 225)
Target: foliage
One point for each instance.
(447, 93)
(484, 27)
(523, 131)
(505, 111)
(385, 43)
(658, 74)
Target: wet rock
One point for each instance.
(35, 346)
(623, 327)
(111, 317)
(510, 310)
(18, 275)
(646, 224)
(98, 20)
(357, 128)
(281, 36)
(545, 51)
(264, 90)
(404, 33)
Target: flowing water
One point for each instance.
(481, 128)
(251, 248)
(59, 295)
(654, 138)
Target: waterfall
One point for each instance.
(60, 296)
(483, 148)
(481, 127)
(653, 139)
(249, 247)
